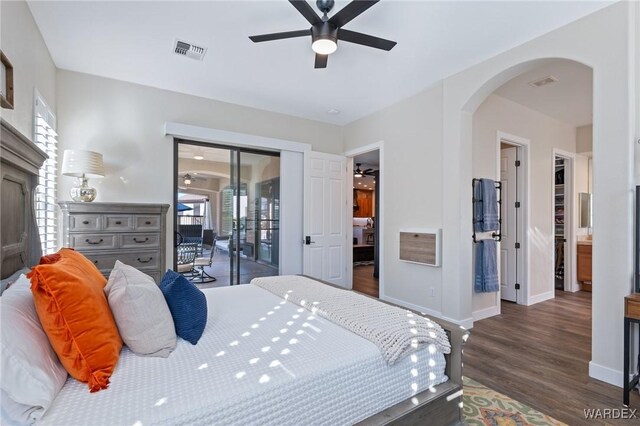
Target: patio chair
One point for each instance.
(201, 262)
(186, 255)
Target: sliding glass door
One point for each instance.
(245, 214)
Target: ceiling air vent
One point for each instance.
(189, 50)
(543, 81)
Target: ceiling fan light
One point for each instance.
(324, 46)
(187, 179)
(357, 174)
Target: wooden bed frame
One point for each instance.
(19, 241)
(20, 160)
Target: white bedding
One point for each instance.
(261, 360)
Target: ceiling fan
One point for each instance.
(325, 32)
(359, 173)
(189, 178)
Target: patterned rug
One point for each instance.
(486, 407)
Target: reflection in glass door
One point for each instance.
(245, 187)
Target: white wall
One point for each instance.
(603, 41)
(125, 122)
(415, 135)
(33, 68)
(497, 114)
(584, 138)
(412, 134)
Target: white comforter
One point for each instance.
(261, 361)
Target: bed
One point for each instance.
(261, 360)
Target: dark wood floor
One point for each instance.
(539, 355)
(364, 282)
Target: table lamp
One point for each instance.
(82, 165)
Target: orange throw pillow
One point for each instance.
(68, 291)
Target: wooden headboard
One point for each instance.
(20, 161)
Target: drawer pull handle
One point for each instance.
(88, 241)
(416, 235)
(95, 261)
(118, 222)
(148, 222)
(140, 241)
(145, 261)
(85, 222)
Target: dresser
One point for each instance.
(134, 234)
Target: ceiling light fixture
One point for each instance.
(198, 157)
(187, 179)
(324, 46)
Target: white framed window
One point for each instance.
(46, 139)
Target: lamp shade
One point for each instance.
(79, 163)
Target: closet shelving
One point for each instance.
(559, 217)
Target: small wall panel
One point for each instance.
(420, 246)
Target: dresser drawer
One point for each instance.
(147, 223)
(147, 259)
(118, 223)
(93, 241)
(139, 240)
(84, 222)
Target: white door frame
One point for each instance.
(570, 267)
(377, 146)
(523, 189)
(291, 174)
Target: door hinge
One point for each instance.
(517, 286)
(517, 204)
(517, 245)
(517, 163)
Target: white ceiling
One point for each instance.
(570, 99)
(132, 41)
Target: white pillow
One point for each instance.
(14, 414)
(141, 312)
(32, 375)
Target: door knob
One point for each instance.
(307, 240)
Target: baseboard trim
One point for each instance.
(418, 308)
(541, 297)
(486, 313)
(466, 323)
(606, 374)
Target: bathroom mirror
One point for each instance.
(584, 203)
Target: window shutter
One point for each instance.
(45, 196)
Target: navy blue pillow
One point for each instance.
(187, 304)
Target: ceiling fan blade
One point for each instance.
(306, 11)
(350, 11)
(365, 39)
(367, 171)
(279, 36)
(321, 61)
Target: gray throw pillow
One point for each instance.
(141, 312)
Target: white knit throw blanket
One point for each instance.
(396, 331)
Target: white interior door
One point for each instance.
(508, 252)
(325, 203)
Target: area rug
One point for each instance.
(486, 407)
